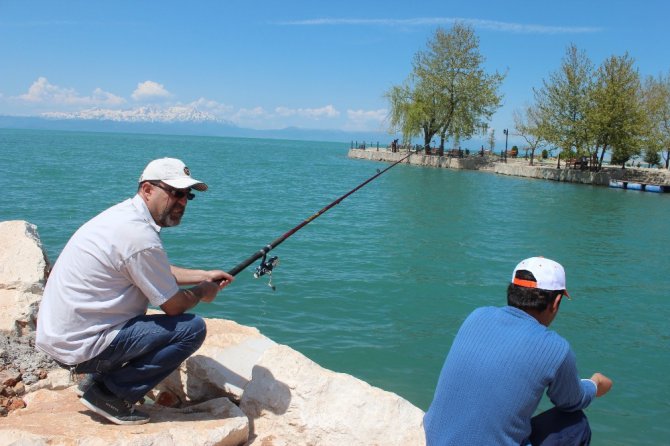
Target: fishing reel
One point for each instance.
(266, 267)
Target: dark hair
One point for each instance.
(526, 298)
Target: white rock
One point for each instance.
(23, 267)
(291, 400)
(294, 399)
(57, 379)
(222, 366)
(18, 311)
(23, 263)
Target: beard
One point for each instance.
(171, 215)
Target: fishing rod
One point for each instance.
(267, 265)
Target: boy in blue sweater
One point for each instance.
(500, 364)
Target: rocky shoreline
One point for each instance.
(546, 170)
(239, 388)
(21, 367)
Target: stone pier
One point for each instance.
(519, 167)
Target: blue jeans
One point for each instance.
(144, 352)
(557, 428)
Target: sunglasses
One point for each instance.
(177, 194)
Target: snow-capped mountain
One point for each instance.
(140, 114)
(177, 120)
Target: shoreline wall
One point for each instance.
(520, 168)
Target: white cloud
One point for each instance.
(216, 108)
(54, 101)
(285, 111)
(312, 113)
(317, 113)
(41, 92)
(368, 115)
(366, 119)
(150, 90)
(250, 113)
(433, 21)
(103, 97)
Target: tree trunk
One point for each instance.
(602, 155)
(593, 161)
(427, 138)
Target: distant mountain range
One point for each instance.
(176, 121)
(139, 114)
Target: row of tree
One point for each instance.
(580, 110)
(588, 112)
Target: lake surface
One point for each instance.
(378, 286)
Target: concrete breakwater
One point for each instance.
(520, 168)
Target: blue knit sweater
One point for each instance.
(493, 378)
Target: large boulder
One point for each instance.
(23, 270)
(289, 399)
(222, 366)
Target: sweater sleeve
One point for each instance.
(567, 391)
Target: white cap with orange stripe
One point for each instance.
(549, 275)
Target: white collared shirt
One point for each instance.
(109, 272)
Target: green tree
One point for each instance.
(448, 94)
(652, 157)
(406, 113)
(563, 103)
(616, 118)
(620, 158)
(529, 125)
(492, 140)
(657, 105)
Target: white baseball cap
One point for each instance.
(172, 172)
(549, 275)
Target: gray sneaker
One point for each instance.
(113, 408)
(84, 383)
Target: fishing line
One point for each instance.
(267, 265)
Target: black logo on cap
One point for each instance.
(187, 171)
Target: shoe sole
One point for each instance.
(111, 417)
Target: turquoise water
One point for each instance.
(378, 286)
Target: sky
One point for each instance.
(310, 64)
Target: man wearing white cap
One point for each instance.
(501, 362)
(92, 318)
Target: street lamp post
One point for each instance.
(506, 132)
